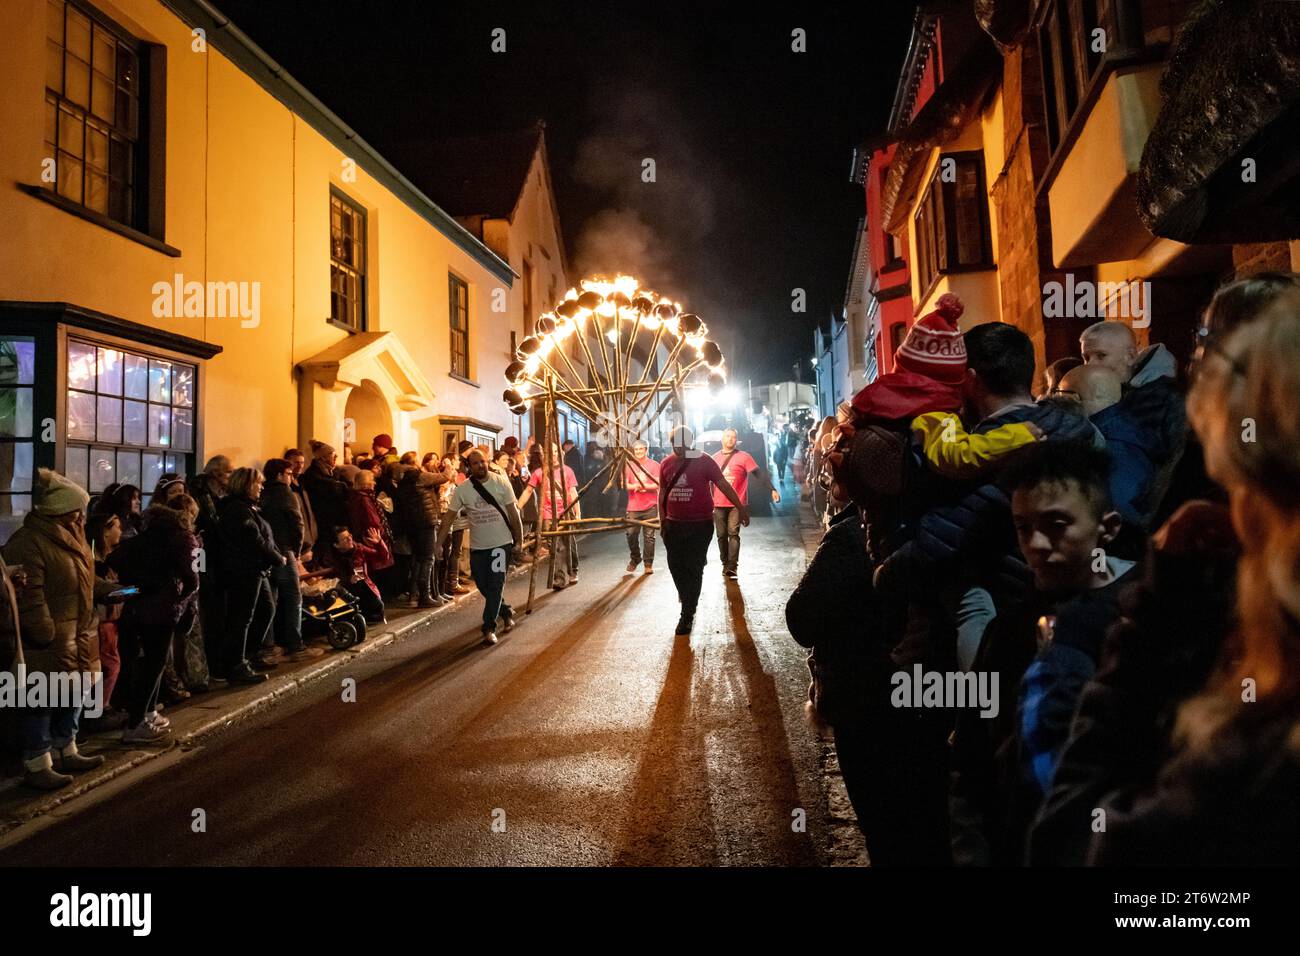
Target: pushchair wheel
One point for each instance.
(343, 634)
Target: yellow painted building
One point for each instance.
(201, 259)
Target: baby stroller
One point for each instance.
(329, 610)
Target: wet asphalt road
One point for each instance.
(588, 736)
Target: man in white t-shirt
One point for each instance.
(488, 502)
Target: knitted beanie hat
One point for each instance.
(934, 346)
(53, 494)
(382, 441)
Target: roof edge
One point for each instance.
(239, 48)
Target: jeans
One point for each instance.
(249, 609)
(566, 555)
(643, 536)
(288, 605)
(489, 567)
(43, 728)
(687, 544)
(726, 524)
(973, 611)
(423, 542)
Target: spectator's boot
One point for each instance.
(68, 758)
(40, 774)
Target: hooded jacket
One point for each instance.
(56, 609)
(972, 531)
(1155, 402)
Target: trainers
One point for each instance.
(489, 637)
(731, 575)
(631, 566)
(573, 578)
(460, 589)
(428, 602)
(560, 582)
(649, 569)
(260, 664)
(507, 623)
(155, 719)
(144, 733)
(684, 625)
(306, 653)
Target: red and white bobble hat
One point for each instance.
(934, 346)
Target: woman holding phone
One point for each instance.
(159, 561)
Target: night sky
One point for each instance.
(752, 142)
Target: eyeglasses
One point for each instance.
(1206, 341)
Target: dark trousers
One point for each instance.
(642, 540)
(212, 620)
(451, 559)
(895, 767)
(423, 542)
(489, 566)
(152, 644)
(288, 605)
(687, 545)
(726, 524)
(249, 609)
(372, 608)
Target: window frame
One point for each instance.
(455, 284)
(185, 458)
(362, 274)
(140, 210)
(937, 237)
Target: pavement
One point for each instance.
(589, 736)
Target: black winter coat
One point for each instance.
(328, 496)
(418, 503)
(247, 540)
(280, 509)
(973, 529)
(834, 612)
(159, 561)
(1157, 656)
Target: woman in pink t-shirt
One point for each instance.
(641, 478)
(563, 491)
(686, 482)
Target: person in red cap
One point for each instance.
(929, 369)
(382, 446)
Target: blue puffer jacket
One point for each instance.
(970, 531)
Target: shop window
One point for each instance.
(17, 426)
(347, 262)
(93, 92)
(130, 417)
(952, 220)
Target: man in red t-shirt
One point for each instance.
(736, 466)
(686, 480)
(641, 476)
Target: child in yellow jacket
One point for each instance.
(953, 452)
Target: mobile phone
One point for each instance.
(124, 592)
